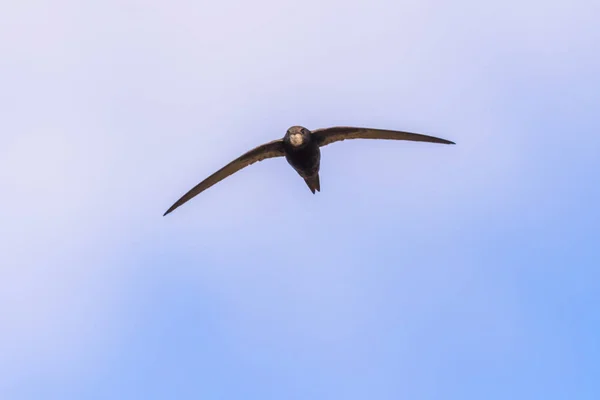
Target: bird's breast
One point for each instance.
(305, 160)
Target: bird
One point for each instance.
(302, 150)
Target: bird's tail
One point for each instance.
(313, 183)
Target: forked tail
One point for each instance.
(313, 183)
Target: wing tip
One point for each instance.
(173, 207)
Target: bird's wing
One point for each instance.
(264, 151)
(338, 133)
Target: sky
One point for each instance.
(419, 271)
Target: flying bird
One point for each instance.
(302, 150)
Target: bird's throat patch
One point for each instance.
(296, 140)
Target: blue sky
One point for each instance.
(420, 271)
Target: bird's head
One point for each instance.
(297, 136)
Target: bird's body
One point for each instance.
(304, 155)
(302, 150)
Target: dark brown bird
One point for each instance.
(302, 150)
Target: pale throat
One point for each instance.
(296, 139)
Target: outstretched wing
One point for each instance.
(338, 133)
(267, 150)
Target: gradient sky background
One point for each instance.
(420, 271)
